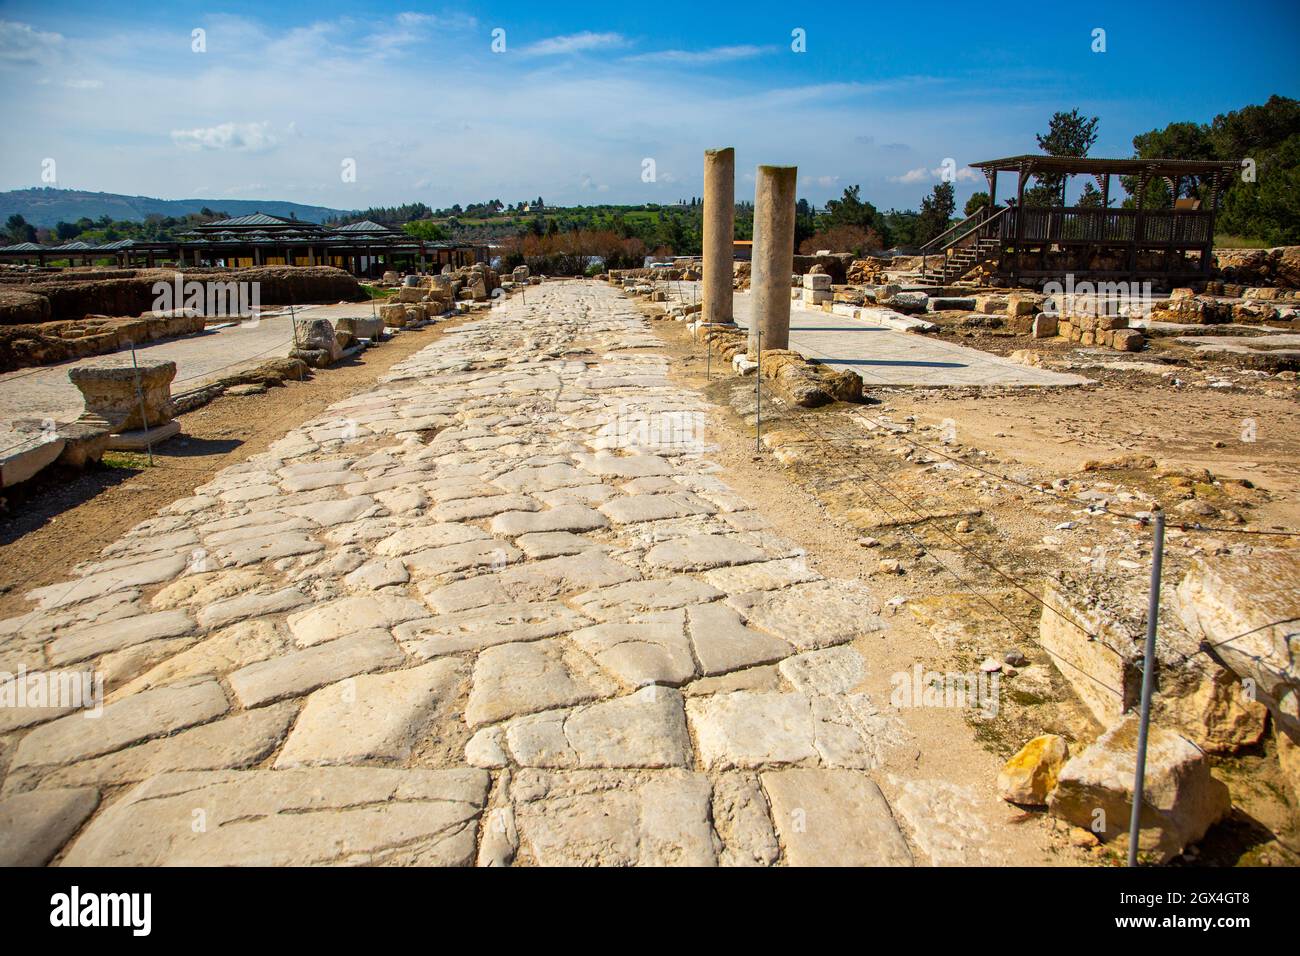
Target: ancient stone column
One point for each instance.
(770, 272)
(719, 233)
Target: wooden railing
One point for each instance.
(1178, 227)
(942, 240)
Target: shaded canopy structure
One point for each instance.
(1038, 243)
(363, 248)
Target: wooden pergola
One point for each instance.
(1038, 243)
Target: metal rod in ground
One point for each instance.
(139, 394)
(758, 392)
(708, 360)
(1148, 684)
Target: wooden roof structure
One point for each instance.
(1096, 240)
(1086, 165)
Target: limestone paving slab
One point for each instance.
(277, 817)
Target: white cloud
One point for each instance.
(575, 43)
(918, 175)
(720, 54)
(410, 28)
(83, 84)
(20, 43)
(923, 175)
(244, 137)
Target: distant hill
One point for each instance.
(47, 206)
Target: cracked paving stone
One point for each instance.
(834, 818)
(484, 552)
(562, 518)
(150, 714)
(722, 642)
(468, 509)
(327, 514)
(93, 585)
(241, 740)
(698, 552)
(429, 537)
(546, 478)
(534, 581)
(253, 550)
(743, 821)
(34, 826)
(302, 817)
(221, 613)
(644, 729)
(656, 507)
(554, 544)
(380, 573)
(638, 597)
(762, 575)
(87, 642)
(298, 672)
(218, 654)
(652, 649)
(361, 612)
(623, 466)
(515, 679)
(479, 628)
(811, 615)
(371, 717)
(614, 818)
(752, 729)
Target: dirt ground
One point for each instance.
(909, 482)
(63, 517)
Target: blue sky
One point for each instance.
(286, 93)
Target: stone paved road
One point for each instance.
(498, 609)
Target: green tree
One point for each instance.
(19, 229)
(1068, 134)
(977, 201)
(936, 212)
(425, 229)
(1264, 207)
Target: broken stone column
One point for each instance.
(111, 396)
(773, 263)
(719, 234)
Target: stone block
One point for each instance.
(1097, 657)
(1181, 799)
(1128, 340)
(124, 396)
(361, 328)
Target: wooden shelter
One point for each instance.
(1029, 245)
